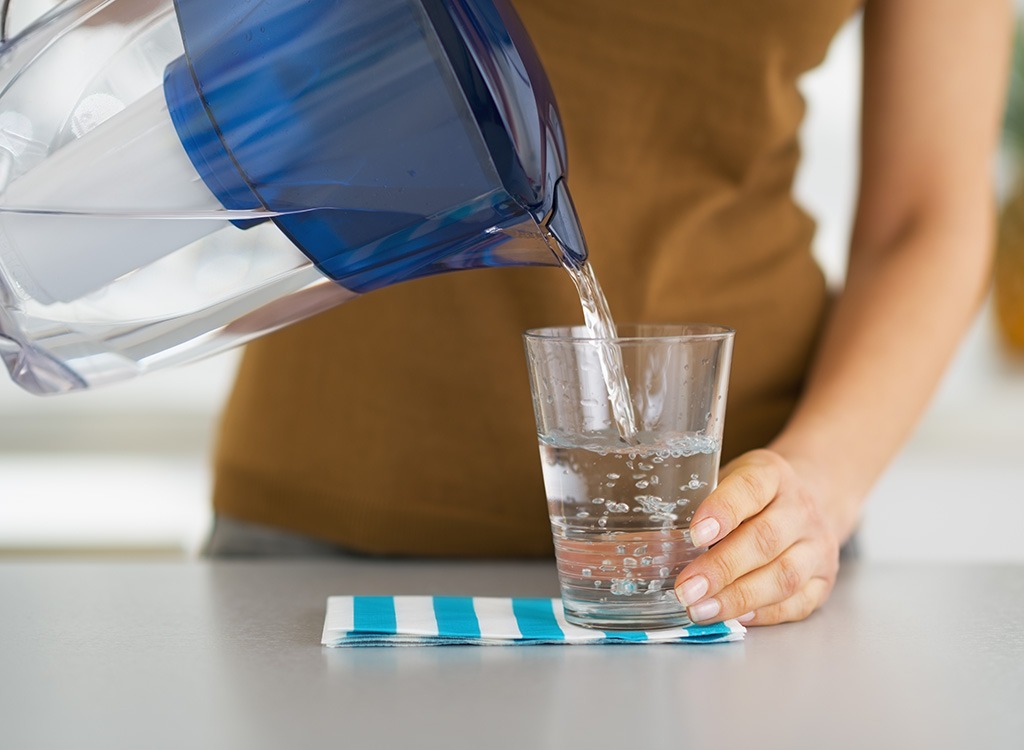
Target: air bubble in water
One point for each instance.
(602, 522)
(629, 562)
(597, 583)
(663, 572)
(646, 560)
(654, 504)
(612, 475)
(642, 484)
(623, 587)
(621, 549)
(640, 549)
(598, 501)
(582, 514)
(694, 483)
(655, 585)
(586, 572)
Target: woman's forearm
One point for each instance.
(934, 81)
(891, 334)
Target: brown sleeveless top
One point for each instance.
(401, 422)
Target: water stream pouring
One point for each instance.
(178, 177)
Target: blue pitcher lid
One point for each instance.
(354, 122)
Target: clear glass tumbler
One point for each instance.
(620, 503)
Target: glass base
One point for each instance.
(601, 618)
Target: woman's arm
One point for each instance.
(934, 80)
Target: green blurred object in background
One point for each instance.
(1009, 264)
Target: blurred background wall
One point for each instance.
(125, 470)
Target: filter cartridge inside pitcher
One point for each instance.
(89, 237)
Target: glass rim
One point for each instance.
(579, 333)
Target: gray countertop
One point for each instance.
(227, 655)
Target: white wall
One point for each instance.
(118, 468)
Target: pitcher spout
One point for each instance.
(564, 225)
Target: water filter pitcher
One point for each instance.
(178, 177)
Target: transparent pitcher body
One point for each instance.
(178, 177)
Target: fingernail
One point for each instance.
(704, 531)
(705, 610)
(745, 618)
(692, 590)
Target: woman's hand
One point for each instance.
(775, 554)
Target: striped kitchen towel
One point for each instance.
(482, 621)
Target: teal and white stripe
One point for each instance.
(482, 620)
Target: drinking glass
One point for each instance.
(630, 434)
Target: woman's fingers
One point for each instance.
(784, 578)
(751, 482)
(797, 607)
(757, 542)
